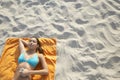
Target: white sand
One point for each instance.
(87, 32)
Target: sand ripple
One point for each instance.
(87, 32)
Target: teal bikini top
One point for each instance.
(33, 61)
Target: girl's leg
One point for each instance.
(18, 76)
(20, 67)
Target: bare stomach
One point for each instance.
(24, 65)
(18, 74)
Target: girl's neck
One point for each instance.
(31, 51)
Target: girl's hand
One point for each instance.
(25, 43)
(25, 72)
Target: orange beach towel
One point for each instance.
(8, 61)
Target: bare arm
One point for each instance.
(22, 45)
(44, 71)
(24, 42)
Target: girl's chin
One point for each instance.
(31, 48)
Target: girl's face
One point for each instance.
(32, 44)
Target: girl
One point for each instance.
(29, 59)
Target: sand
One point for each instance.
(87, 33)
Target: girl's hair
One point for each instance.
(39, 46)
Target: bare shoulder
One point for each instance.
(43, 62)
(42, 59)
(40, 55)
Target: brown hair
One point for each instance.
(39, 46)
